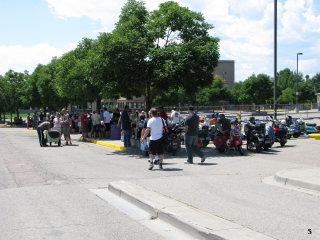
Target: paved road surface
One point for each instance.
(44, 191)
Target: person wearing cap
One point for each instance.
(191, 136)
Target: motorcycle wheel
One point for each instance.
(296, 135)
(258, 148)
(240, 150)
(174, 152)
(282, 144)
(266, 148)
(205, 144)
(221, 149)
(288, 136)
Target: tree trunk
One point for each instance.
(148, 103)
(98, 103)
(11, 117)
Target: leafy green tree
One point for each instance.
(44, 77)
(152, 53)
(288, 96)
(71, 80)
(256, 89)
(315, 82)
(31, 97)
(4, 96)
(174, 97)
(286, 78)
(306, 92)
(14, 82)
(217, 91)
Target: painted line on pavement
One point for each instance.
(106, 144)
(197, 223)
(17, 130)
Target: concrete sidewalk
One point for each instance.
(308, 178)
(197, 223)
(302, 179)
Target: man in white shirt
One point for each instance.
(175, 117)
(107, 120)
(156, 126)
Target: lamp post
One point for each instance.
(275, 61)
(297, 94)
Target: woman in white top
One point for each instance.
(57, 121)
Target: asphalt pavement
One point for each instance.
(45, 192)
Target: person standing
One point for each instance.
(95, 131)
(84, 124)
(43, 126)
(66, 125)
(162, 113)
(175, 117)
(106, 120)
(191, 136)
(126, 126)
(28, 121)
(156, 126)
(35, 120)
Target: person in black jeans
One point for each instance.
(43, 126)
(191, 136)
(126, 126)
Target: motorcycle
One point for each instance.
(173, 143)
(280, 131)
(255, 134)
(204, 136)
(231, 140)
(269, 138)
(311, 128)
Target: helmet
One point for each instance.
(299, 121)
(283, 122)
(212, 120)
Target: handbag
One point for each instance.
(165, 131)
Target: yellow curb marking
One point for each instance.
(315, 135)
(115, 146)
(16, 130)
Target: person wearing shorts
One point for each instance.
(155, 127)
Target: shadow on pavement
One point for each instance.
(170, 169)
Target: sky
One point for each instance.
(32, 32)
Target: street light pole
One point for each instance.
(297, 93)
(275, 61)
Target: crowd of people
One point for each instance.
(130, 125)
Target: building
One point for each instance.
(134, 103)
(226, 70)
(318, 100)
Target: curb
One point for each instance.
(294, 178)
(197, 223)
(315, 135)
(106, 144)
(5, 125)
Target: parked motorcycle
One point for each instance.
(204, 136)
(231, 140)
(280, 131)
(255, 134)
(173, 143)
(269, 138)
(311, 128)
